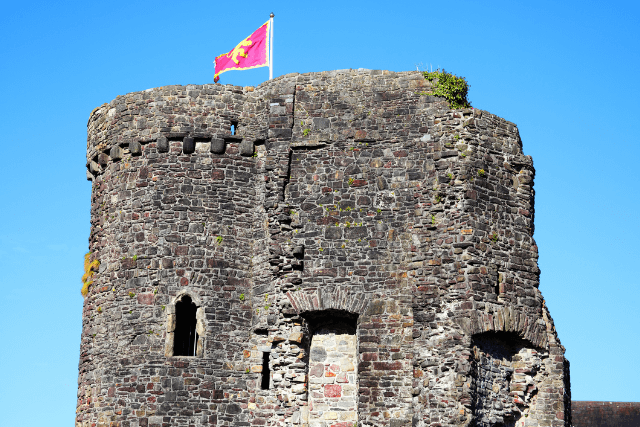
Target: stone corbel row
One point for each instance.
(218, 145)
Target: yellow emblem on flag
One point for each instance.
(238, 50)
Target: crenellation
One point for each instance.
(354, 250)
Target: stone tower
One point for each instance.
(326, 249)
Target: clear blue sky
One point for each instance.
(565, 72)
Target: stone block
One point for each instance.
(162, 144)
(317, 370)
(332, 390)
(298, 388)
(217, 146)
(203, 147)
(246, 148)
(333, 233)
(103, 159)
(94, 167)
(330, 415)
(296, 337)
(318, 354)
(116, 153)
(188, 145)
(135, 148)
(320, 123)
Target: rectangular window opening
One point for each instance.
(266, 373)
(234, 127)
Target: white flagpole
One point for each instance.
(271, 46)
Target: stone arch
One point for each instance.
(339, 298)
(332, 316)
(506, 319)
(200, 329)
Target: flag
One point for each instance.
(252, 52)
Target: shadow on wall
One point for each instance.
(503, 378)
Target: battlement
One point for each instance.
(321, 250)
(171, 111)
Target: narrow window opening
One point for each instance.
(498, 281)
(186, 337)
(266, 373)
(234, 127)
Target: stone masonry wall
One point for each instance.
(605, 414)
(337, 195)
(333, 377)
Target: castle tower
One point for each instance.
(323, 250)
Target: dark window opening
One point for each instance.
(497, 282)
(234, 127)
(336, 321)
(185, 335)
(491, 376)
(266, 373)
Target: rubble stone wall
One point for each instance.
(313, 197)
(333, 378)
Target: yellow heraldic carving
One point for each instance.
(238, 50)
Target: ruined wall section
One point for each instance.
(475, 275)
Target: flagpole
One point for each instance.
(271, 46)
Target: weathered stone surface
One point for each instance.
(162, 144)
(217, 146)
(188, 145)
(135, 148)
(246, 148)
(371, 260)
(332, 383)
(605, 414)
(115, 153)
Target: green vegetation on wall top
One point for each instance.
(450, 87)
